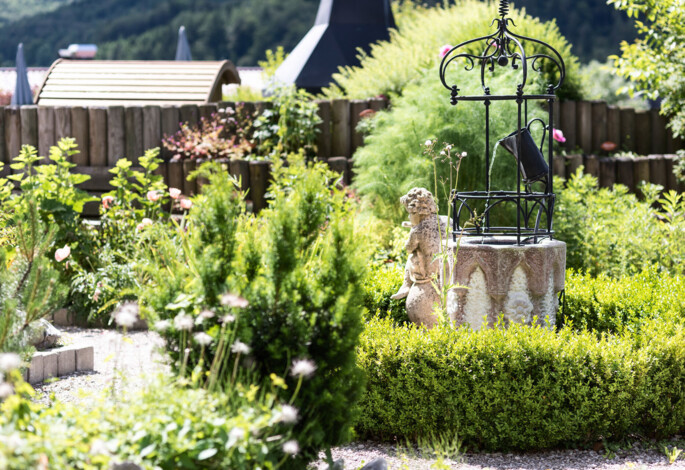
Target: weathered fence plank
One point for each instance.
(97, 127)
(657, 170)
(12, 131)
(116, 134)
(260, 174)
(643, 132)
(80, 130)
(339, 165)
(625, 173)
(171, 118)
(175, 172)
(241, 170)
(591, 163)
(190, 114)
(584, 125)
(640, 171)
(614, 125)
(357, 139)
(559, 166)
(29, 125)
(152, 127)
(62, 122)
(573, 162)
(567, 124)
(207, 110)
(607, 172)
(340, 117)
(598, 125)
(4, 157)
(46, 127)
(189, 186)
(134, 133)
(628, 129)
(658, 144)
(323, 139)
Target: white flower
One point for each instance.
(303, 368)
(227, 319)
(203, 339)
(206, 314)
(62, 253)
(235, 435)
(428, 143)
(99, 447)
(291, 447)
(463, 154)
(232, 300)
(240, 348)
(126, 315)
(288, 414)
(5, 390)
(162, 325)
(183, 322)
(9, 361)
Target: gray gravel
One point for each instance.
(136, 358)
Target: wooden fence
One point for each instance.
(106, 134)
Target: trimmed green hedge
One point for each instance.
(381, 282)
(616, 305)
(520, 388)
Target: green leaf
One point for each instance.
(207, 454)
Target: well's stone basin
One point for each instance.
(522, 282)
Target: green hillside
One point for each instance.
(240, 30)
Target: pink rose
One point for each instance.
(186, 203)
(107, 201)
(444, 50)
(558, 135)
(153, 196)
(175, 193)
(62, 253)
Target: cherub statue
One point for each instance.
(422, 266)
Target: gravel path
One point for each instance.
(136, 359)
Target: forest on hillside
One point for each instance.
(239, 30)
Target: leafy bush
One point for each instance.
(395, 159)
(300, 267)
(605, 304)
(182, 428)
(610, 231)
(522, 387)
(412, 53)
(382, 281)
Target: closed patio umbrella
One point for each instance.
(183, 48)
(22, 90)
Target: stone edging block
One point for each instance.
(59, 362)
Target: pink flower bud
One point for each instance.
(62, 253)
(558, 135)
(444, 50)
(175, 193)
(153, 196)
(186, 203)
(107, 201)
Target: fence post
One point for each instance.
(658, 133)
(625, 173)
(591, 163)
(607, 172)
(614, 125)
(97, 126)
(206, 110)
(13, 131)
(152, 127)
(567, 123)
(116, 134)
(640, 171)
(340, 116)
(62, 122)
(190, 114)
(4, 157)
(260, 173)
(657, 170)
(599, 125)
(559, 166)
(240, 169)
(46, 130)
(628, 129)
(189, 186)
(134, 133)
(573, 162)
(584, 125)
(80, 130)
(170, 119)
(175, 172)
(323, 139)
(29, 125)
(356, 107)
(643, 132)
(339, 165)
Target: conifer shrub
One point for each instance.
(299, 265)
(412, 52)
(520, 388)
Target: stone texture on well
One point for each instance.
(519, 281)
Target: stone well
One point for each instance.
(522, 282)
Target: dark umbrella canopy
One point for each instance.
(22, 90)
(182, 47)
(340, 28)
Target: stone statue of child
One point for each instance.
(422, 267)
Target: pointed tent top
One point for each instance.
(182, 47)
(340, 29)
(22, 90)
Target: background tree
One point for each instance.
(655, 62)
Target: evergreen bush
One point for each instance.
(520, 388)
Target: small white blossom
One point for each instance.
(9, 361)
(183, 322)
(291, 447)
(303, 368)
(463, 154)
(428, 143)
(5, 390)
(240, 348)
(232, 300)
(288, 414)
(206, 314)
(126, 315)
(227, 319)
(234, 435)
(162, 325)
(203, 339)
(99, 447)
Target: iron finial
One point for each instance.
(503, 8)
